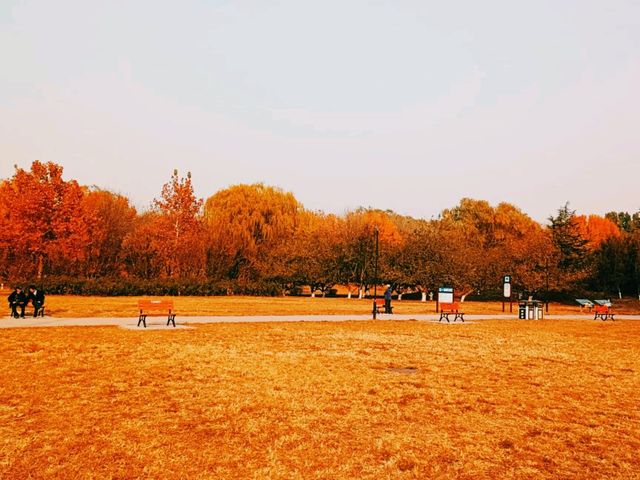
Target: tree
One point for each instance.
(625, 221)
(313, 253)
(180, 230)
(357, 247)
(613, 268)
(568, 239)
(419, 261)
(484, 243)
(596, 230)
(113, 219)
(142, 247)
(45, 212)
(248, 225)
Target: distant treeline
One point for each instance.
(257, 239)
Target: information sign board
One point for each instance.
(507, 286)
(445, 294)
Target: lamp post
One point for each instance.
(375, 274)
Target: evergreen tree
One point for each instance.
(568, 240)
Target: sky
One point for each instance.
(401, 105)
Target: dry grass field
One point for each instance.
(78, 306)
(358, 400)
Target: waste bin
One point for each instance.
(530, 310)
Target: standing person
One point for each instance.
(36, 297)
(387, 299)
(17, 299)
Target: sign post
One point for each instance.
(506, 292)
(375, 274)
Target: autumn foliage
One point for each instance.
(260, 239)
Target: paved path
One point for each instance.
(155, 323)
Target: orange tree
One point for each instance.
(180, 236)
(168, 241)
(141, 247)
(313, 253)
(596, 230)
(482, 243)
(44, 213)
(356, 247)
(113, 219)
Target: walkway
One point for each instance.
(155, 323)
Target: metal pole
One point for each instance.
(375, 275)
(546, 295)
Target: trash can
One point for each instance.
(530, 310)
(522, 311)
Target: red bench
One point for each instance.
(379, 306)
(156, 308)
(604, 312)
(447, 309)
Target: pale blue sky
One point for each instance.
(407, 105)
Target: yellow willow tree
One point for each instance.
(249, 229)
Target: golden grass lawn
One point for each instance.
(77, 306)
(372, 400)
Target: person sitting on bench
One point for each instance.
(17, 299)
(36, 297)
(387, 300)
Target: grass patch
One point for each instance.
(496, 399)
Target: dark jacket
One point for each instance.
(17, 298)
(36, 297)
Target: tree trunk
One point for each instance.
(424, 297)
(399, 296)
(349, 294)
(464, 295)
(40, 266)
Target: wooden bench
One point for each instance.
(447, 309)
(584, 303)
(379, 306)
(40, 311)
(156, 308)
(603, 312)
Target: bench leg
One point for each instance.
(459, 316)
(143, 319)
(171, 319)
(445, 316)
